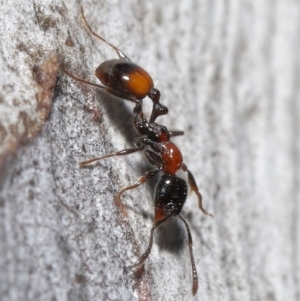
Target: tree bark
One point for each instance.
(229, 73)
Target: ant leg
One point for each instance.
(120, 153)
(190, 245)
(153, 158)
(81, 80)
(195, 188)
(147, 176)
(176, 133)
(120, 54)
(144, 256)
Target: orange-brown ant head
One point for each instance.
(170, 196)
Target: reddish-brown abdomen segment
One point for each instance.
(125, 78)
(172, 158)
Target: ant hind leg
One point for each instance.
(145, 255)
(190, 245)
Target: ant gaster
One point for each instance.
(123, 78)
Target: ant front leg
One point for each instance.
(195, 188)
(120, 54)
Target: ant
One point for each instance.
(125, 79)
(154, 142)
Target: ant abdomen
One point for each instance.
(125, 79)
(170, 195)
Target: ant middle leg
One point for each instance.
(141, 180)
(194, 187)
(120, 54)
(119, 153)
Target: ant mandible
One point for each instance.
(125, 79)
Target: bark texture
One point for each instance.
(229, 73)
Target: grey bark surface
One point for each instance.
(229, 73)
